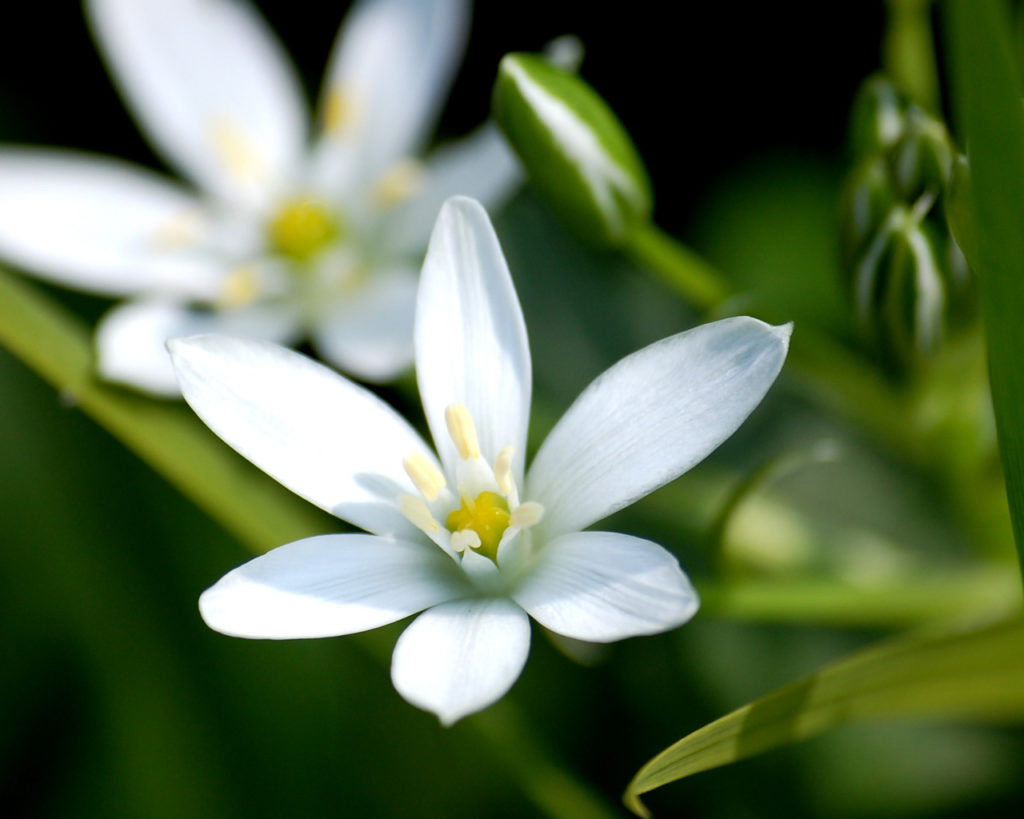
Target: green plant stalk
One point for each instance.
(987, 93)
(908, 51)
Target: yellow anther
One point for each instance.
(425, 475)
(241, 287)
(465, 539)
(487, 515)
(462, 431)
(235, 151)
(503, 471)
(417, 513)
(301, 228)
(341, 110)
(181, 230)
(398, 183)
(526, 515)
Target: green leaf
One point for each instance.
(956, 673)
(577, 154)
(988, 104)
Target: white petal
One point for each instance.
(329, 585)
(460, 657)
(651, 417)
(328, 440)
(101, 225)
(471, 345)
(211, 87)
(481, 165)
(131, 339)
(369, 334)
(603, 586)
(387, 78)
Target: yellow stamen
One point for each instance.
(241, 287)
(465, 539)
(462, 431)
(181, 230)
(398, 183)
(234, 149)
(418, 514)
(425, 475)
(341, 111)
(487, 515)
(526, 515)
(301, 228)
(503, 471)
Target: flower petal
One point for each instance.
(603, 586)
(481, 165)
(387, 78)
(471, 345)
(370, 333)
(329, 585)
(101, 225)
(651, 417)
(460, 657)
(325, 438)
(211, 87)
(131, 339)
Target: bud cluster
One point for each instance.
(906, 272)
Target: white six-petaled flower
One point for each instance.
(286, 236)
(467, 533)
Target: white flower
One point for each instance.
(288, 234)
(463, 534)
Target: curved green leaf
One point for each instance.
(975, 673)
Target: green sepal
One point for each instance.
(866, 200)
(876, 116)
(923, 157)
(576, 152)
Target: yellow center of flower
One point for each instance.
(488, 516)
(302, 228)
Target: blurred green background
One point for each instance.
(119, 702)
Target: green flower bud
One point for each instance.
(577, 154)
(876, 118)
(865, 203)
(923, 157)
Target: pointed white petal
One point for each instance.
(387, 78)
(328, 440)
(102, 225)
(471, 345)
(460, 657)
(329, 585)
(603, 586)
(481, 166)
(131, 339)
(211, 87)
(651, 417)
(369, 333)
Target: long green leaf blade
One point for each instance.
(956, 673)
(988, 104)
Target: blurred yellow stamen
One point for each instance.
(465, 539)
(234, 149)
(241, 287)
(340, 110)
(526, 515)
(462, 431)
(503, 471)
(398, 183)
(301, 228)
(181, 230)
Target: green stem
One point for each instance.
(908, 51)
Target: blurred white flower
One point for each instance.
(461, 533)
(288, 233)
